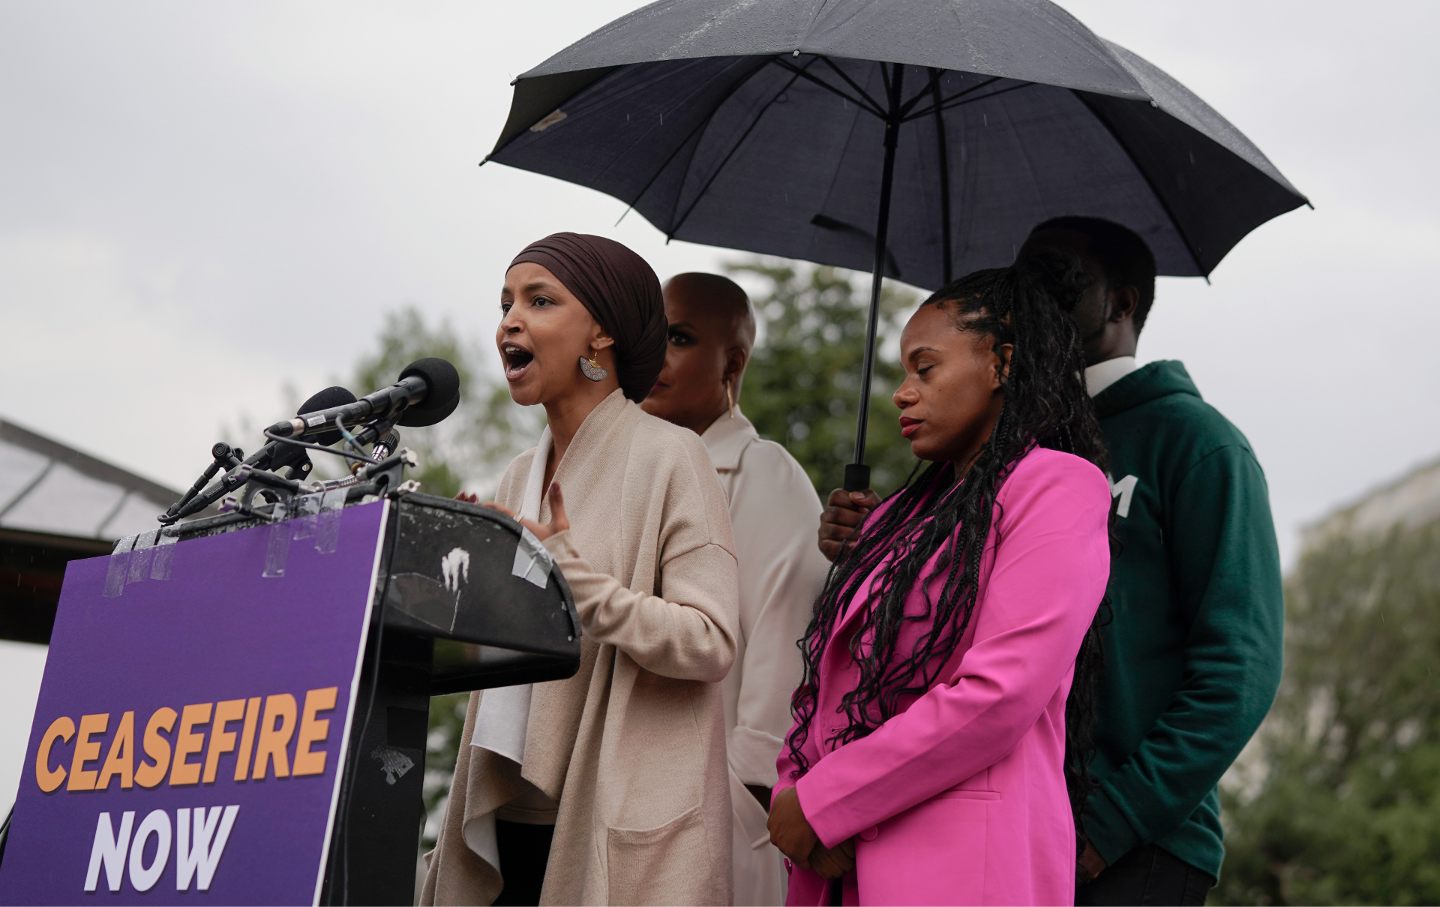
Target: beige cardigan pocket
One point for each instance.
(658, 865)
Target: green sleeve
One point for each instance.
(1225, 569)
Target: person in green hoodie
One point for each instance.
(1193, 646)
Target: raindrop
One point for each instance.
(985, 119)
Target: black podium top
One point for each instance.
(472, 580)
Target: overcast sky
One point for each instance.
(201, 203)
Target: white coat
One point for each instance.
(775, 514)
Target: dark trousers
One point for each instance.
(524, 851)
(1147, 875)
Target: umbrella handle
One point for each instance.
(857, 477)
(857, 474)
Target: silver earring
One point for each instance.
(592, 369)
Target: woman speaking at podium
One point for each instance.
(611, 786)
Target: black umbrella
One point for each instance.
(797, 127)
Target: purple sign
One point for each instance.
(192, 725)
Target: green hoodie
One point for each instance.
(1192, 652)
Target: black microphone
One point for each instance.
(428, 391)
(275, 455)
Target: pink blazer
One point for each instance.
(960, 798)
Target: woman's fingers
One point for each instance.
(536, 529)
(835, 532)
(789, 830)
(840, 520)
(823, 863)
(844, 512)
(559, 522)
(832, 863)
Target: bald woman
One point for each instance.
(773, 508)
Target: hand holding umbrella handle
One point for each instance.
(845, 512)
(857, 477)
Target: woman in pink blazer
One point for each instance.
(927, 763)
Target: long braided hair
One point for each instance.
(1044, 403)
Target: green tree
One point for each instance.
(802, 387)
(1341, 802)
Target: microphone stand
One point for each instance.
(273, 487)
(226, 457)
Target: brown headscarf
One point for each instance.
(620, 290)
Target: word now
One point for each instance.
(276, 735)
(199, 834)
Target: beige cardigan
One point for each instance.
(633, 746)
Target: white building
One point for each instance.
(56, 505)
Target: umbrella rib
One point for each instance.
(944, 154)
(866, 104)
(945, 103)
(825, 222)
(714, 174)
(1164, 205)
(960, 101)
(931, 88)
(858, 89)
(699, 127)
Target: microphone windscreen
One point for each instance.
(442, 392)
(326, 399)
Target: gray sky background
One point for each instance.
(202, 203)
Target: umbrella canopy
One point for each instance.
(918, 139)
(760, 125)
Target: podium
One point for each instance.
(465, 600)
(189, 742)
